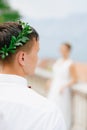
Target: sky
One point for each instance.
(40, 9)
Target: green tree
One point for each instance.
(7, 13)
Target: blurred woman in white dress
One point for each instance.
(64, 77)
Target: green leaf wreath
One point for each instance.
(16, 41)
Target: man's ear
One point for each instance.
(21, 58)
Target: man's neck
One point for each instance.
(12, 70)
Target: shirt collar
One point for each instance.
(13, 79)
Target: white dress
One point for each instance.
(61, 77)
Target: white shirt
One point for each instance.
(23, 109)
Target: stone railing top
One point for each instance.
(43, 73)
(80, 87)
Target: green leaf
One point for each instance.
(13, 38)
(12, 51)
(7, 54)
(18, 44)
(1, 51)
(3, 56)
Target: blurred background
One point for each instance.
(57, 21)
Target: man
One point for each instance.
(20, 107)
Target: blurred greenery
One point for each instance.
(7, 13)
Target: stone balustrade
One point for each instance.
(79, 97)
(79, 101)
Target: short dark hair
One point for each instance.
(68, 45)
(9, 29)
